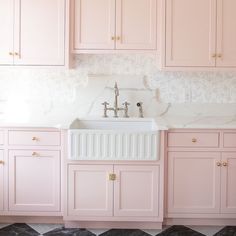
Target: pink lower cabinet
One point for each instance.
(136, 191)
(194, 182)
(124, 192)
(228, 181)
(90, 192)
(1, 180)
(34, 181)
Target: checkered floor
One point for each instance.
(57, 230)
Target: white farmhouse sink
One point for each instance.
(113, 139)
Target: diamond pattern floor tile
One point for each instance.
(69, 232)
(180, 231)
(206, 230)
(44, 228)
(227, 231)
(124, 232)
(18, 230)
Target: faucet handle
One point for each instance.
(140, 107)
(105, 104)
(126, 109)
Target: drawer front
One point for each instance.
(193, 139)
(1, 137)
(34, 138)
(230, 140)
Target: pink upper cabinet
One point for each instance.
(114, 24)
(39, 30)
(136, 24)
(190, 32)
(94, 24)
(6, 26)
(226, 33)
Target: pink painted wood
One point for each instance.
(193, 139)
(229, 140)
(136, 24)
(34, 181)
(39, 32)
(226, 33)
(136, 192)
(1, 137)
(94, 24)
(193, 182)
(228, 180)
(1, 180)
(34, 138)
(6, 26)
(190, 33)
(90, 192)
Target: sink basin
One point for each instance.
(113, 139)
(121, 124)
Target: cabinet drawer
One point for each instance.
(34, 138)
(230, 140)
(1, 137)
(193, 139)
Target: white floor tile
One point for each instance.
(44, 228)
(154, 232)
(3, 225)
(97, 231)
(206, 230)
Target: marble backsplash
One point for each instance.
(56, 96)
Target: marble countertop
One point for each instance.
(163, 123)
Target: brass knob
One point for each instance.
(17, 54)
(112, 177)
(113, 38)
(194, 140)
(118, 38)
(35, 139)
(225, 163)
(219, 55)
(35, 154)
(218, 163)
(1, 162)
(214, 55)
(10, 53)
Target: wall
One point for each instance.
(56, 96)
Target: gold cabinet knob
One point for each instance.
(219, 55)
(1, 162)
(225, 163)
(10, 53)
(35, 154)
(218, 163)
(194, 140)
(35, 139)
(113, 38)
(112, 177)
(118, 38)
(214, 55)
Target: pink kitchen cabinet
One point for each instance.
(198, 34)
(194, 182)
(114, 25)
(228, 180)
(114, 192)
(90, 192)
(136, 191)
(34, 181)
(1, 180)
(6, 25)
(33, 32)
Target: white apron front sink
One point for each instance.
(114, 139)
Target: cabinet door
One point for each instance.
(226, 33)
(228, 180)
(90, 192)
(136, 23)
(6, 27)
(34, 181)
(190, 32)
(136, 191)
(193, 182)
(1, 180)
(39, 32)
(94, 24)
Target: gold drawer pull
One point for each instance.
(112, 177)
(218, 163)
(35, 154)
(1, 162)
(194, 140)
(35, 139)
(214, 55)
(225, 163)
